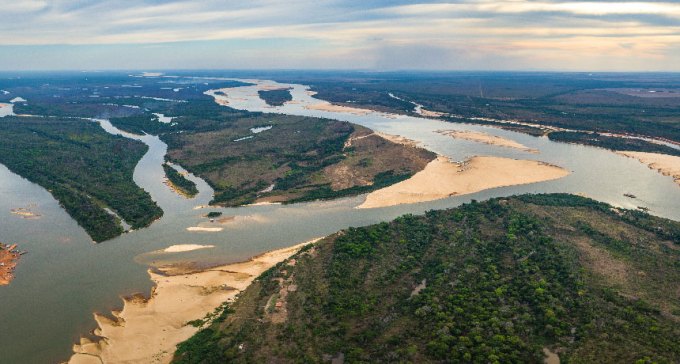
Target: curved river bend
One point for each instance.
(65, 277)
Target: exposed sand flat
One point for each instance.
(185, 248)
(431, 114)
(398, 139)
(272, 87)
(204, 229)
(147, 331)
(485, 138)
(665, 164)
(442, 178)
(326, 106)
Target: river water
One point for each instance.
(65, 277)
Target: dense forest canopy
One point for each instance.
(493, 282)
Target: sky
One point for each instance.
(327, 34)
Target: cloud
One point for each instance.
(374, 33)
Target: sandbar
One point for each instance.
(326, 106)
(185, 248)
(204, 229)
(398, 139)
(147, 330)
(442, 178)
(668, 165)
(480, 137)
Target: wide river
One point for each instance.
(65, 277)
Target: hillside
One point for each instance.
(500, 281)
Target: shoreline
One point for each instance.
(442, 178)
(148, 330)
(330, 107)
(664, 164)
(488, 139)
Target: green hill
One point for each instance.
(494, 282)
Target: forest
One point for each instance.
(179, 181)
(85, 169)
(275, 97)
(500, 281)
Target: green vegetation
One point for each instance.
(609, 142)
(275, 97)
(86, 169)
(139, 124)
(491, 282)
(298, 159)
(180, 182)
(213, 214)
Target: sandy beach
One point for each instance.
(442, 178)
(485, 138)
(147, 331)
(430, 114)
(665, 164)
(325, 106)
(398, 139)
(204, 229)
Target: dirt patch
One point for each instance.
(9, 257)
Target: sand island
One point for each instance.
(327, 106)
(441, 179)
(480, 137)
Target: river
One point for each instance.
(65, 277)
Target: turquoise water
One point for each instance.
(65, 277)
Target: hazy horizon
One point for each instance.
(551, 35)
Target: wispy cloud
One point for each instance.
(370, 33)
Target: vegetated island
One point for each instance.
(86, 169)
(275, 97)
(9, 257)
(294, 159)
(249, 157)
(178, 182)
(441, 179)
(507, 280)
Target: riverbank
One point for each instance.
(9, 257)
(667, 165)
(442, 178)
(147, 330)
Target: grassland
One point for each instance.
(491, 282)
(86, 169)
